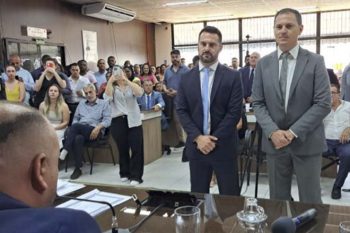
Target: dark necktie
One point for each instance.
(205, 101)
(284, 74)
(149, 103)
(251, 77)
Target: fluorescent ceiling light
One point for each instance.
(185, 3)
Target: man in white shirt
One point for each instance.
(77, 84)
(337, 129)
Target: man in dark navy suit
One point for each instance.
(28, 176)
(209, 107)
(247, 75)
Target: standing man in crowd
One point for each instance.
(291, 97)
(209, 105)
(247, 75)
(28, 176)
(111, 62)
(100, 75)
(172, 79)
(235, 63)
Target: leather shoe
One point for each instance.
(180, 144)
(76, 174)
(336, 193)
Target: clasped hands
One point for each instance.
(206, 143)
(281, 138)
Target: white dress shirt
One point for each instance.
(337, 120)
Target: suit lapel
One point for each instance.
(302, 60)
(216, 82)
(275, 75)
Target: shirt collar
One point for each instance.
(94, 103)
(294, 51)
(212, 67)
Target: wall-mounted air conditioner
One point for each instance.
(108, 12)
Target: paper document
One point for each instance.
(95, 208)
(64, 187)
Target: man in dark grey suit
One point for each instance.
(209, 105)
(290, 99)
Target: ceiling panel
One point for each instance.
(154, 10)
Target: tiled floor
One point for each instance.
(171, 174)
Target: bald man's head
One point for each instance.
(28, 155)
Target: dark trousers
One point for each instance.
(343, 151)
(128, 138)
(72, 108)
(226, 173)
(77, 135)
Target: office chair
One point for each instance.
(100, 143)
(333, 159)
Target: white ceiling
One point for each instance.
(154, 11)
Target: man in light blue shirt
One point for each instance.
(172, 77)
(91, 117)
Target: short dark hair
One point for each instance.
(289, 10)
(211, 30)
(44, 58)
(336, 85)
(52, 59)
(195, 59)
(175, 51)
(73, 64)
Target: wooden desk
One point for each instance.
(326, 221)
(152, 141)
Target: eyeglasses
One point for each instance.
(334, 93)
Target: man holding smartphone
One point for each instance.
(172, 77)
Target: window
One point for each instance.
(258, 28)
(228, 28)
(187, 33)
(334, 53)
(335, 23)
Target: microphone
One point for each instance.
(114, 224)
(290, 225)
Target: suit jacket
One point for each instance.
(16, 216)
(225, 111)
(156, 98)
(246, 81)
(309, 102)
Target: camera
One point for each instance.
(117, 70)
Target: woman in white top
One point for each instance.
(126, 127)
(56, 111)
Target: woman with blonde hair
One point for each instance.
(56, 111)
(14, 88)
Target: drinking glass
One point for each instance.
(187, 219)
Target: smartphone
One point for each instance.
(117, 70)
(49, 65)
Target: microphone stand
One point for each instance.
(114, 224)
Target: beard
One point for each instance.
(207, 57)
